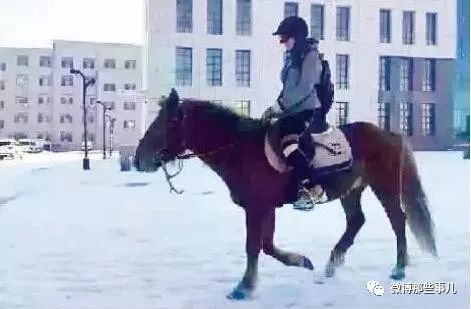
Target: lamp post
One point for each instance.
(112, 120)
(86, 82)
(105, 108)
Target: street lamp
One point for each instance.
(112, 121)
(86, 82)
(105, 108)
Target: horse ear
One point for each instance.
(173, 99)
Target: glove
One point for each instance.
(272, 112)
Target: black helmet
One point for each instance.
(292, 26)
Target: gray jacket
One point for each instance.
(299, 91)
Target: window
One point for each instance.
(67, 62)
(214, 67)
(428, 81)
(342, 71)
(385, 26)
(214, 16)
(22, 80)
(88, 63)
(129, 124)
(129, 86)
(405, 118)
(130, 64)
(67, 100)
(109, 87)
(3, 66)
(22, 60)
(291, 9)
(66, 137)
(45, 61)
(343, 23)
(242, 107)
(408, 27)
(44, 99)
(384, 116)
(431, 30)
(40, 118)
(183, 66)
(2, 104)
(317, 21)
(2, 85)
(244, 17)
(66, 118)
(67, 80)
(384, 73)
(185, 16)
(341, 109)
(22, 101)
(21, 118)
(45, 80)
(129, 106)
(428, 119)
(405, 74)
(2, 124)
(243, 68)
(110, 64)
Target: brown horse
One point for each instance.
(233, 146)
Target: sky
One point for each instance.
(35, 23)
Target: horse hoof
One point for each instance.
(398, 273)
(240, 293)
(329, 270)
(308, 264)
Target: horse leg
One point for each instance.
(392, 206)
(254, 224)
(285, 257)
(355, 220)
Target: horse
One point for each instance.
(233, 146)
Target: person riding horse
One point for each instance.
(298, 105)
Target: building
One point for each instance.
(461, 83)
(392, 61)
(39, 98)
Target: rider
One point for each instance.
(298, 105)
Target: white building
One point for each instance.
(39, 98)
(224, 51)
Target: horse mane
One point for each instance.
(226, 118)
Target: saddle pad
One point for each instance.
(333, 152)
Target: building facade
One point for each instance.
(461, 82)
(39, 98)
(391, 61)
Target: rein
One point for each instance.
(181, 158)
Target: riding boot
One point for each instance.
(298, 161)
(309, 193)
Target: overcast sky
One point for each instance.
(35, 23)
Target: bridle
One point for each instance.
(182, 157)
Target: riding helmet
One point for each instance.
(293, 27)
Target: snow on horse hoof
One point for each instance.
(329, 270)
(398, 273)
(240, 293)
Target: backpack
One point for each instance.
(325, 88)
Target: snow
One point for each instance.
(110, 239)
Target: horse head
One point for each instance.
(163, 140)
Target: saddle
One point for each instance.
(329, 152)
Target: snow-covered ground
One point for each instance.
(107, 239)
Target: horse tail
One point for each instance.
(415, 202)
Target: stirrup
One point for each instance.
(309, 198)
